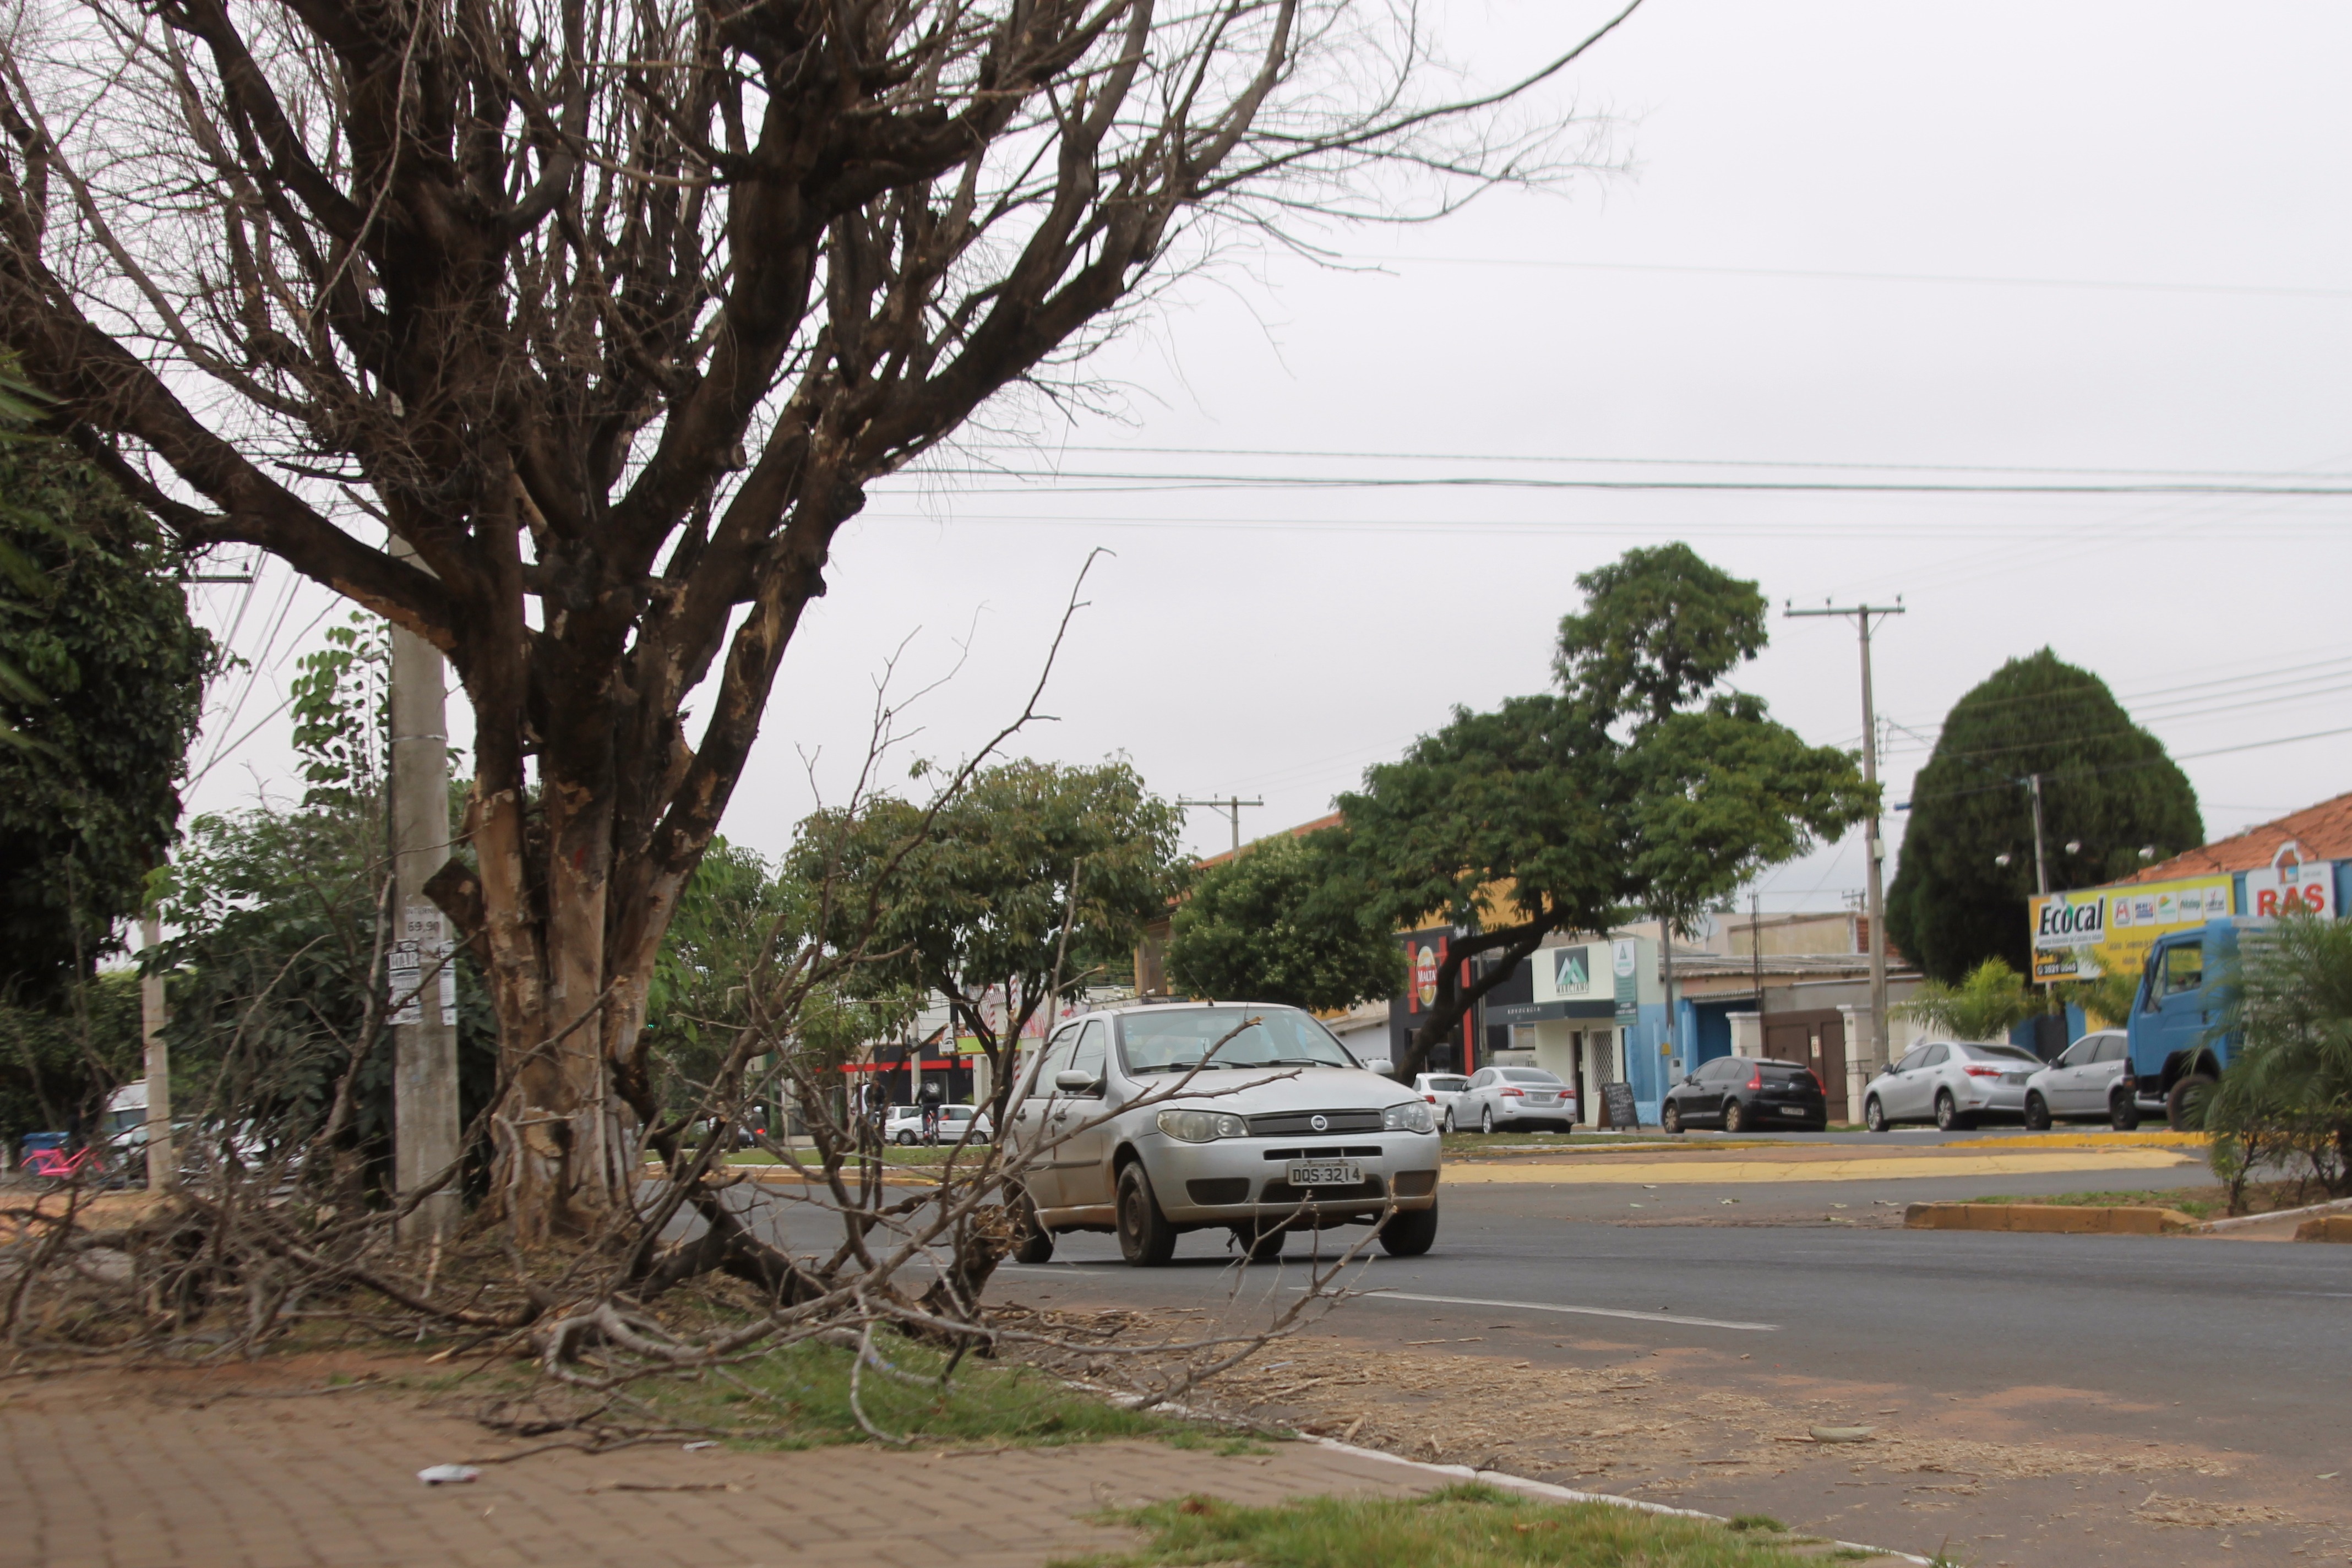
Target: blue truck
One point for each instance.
(2175, 1054)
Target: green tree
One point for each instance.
(1992, 1000)
(2107, 785)
(1641, 786)
(102, 685)
(1033, 872)
(1283, 923)
(59, 1061)
(2284, 1102)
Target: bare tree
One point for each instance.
(610, 314)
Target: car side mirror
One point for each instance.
(1071, 1081)
(1690, 1077)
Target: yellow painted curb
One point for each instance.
(1878, 1168)
(2326, 1227)
(2048, 1219)
(2085, 1141)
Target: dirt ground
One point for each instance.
(2033, 1477)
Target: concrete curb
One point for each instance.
(1550, 1493)
(2326, 1227)
(2048, 1219)
(2238, 1222)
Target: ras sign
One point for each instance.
(2285, 885)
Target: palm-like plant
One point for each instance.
(2285, 1099)
(1986, 1005)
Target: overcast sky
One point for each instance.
(1956, 245)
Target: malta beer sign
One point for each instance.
(2108, 931)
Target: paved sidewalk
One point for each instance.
(142, 1470)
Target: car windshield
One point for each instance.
(2000, 1054)
(1179, 1040)
(1454, 1084)
(1526, 1075)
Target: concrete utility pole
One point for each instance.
(2041, 861)
(163, 1168)
(1231, 806)
(424, 985)
(1874, 848)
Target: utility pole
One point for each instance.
(2041, 861)
(1756, 957)
(1874, 847)
(163, 1168)
(1231, 806)
(424, 986)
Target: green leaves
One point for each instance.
(342, 713)
(1992, 1000)
(2107, 786)
(1283, 923)
(1660, 627)
(2285, 1099)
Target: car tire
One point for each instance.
(1031, 1242)
(1261, 1245)
(1487, 1121)
(2184, 1108)
(1735, 1116)
(905, 1140)
(2037, 1113)
(1874, 1115)
(1948, 1113)
(1446, 1121)
(1670, 1120)
(1410, 1231)
(2123, 1111)
(1146, 1239)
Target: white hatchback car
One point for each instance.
(1440, 1089)
(1149, 1121)
(1512, 1096)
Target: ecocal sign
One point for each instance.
(2064, 924)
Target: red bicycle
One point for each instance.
(59, 1166)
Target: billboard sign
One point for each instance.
(2285, 885)
(2108, 931)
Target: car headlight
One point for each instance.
(1201, 1126)
(1413, 1116)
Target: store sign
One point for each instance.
(2286, 886)
(2108, 931)
(1570, 973)
(1625, 959)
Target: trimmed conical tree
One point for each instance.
(2106, 785)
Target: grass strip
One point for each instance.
(1458, 1527)
(2197, 1202)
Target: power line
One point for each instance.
(1105, 481)
(1810, 274)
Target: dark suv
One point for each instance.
(1742, 1094)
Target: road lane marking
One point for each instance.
(1877, 1169)
(1674, 1318)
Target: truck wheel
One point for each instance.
(1874, 1115)
(2184, 1108)
(1410, 1232)
(2122, 1110)
(1146, 1239)
(2037, 1114)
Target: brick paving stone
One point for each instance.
(145, 1471)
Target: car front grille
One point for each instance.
(1330, 1151)
(1219, 1189)
(1292, 1123)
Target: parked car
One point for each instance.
(2092, 1078)
(1512, 1096)
(1949, 1084)
(904, 1125)
(1153, 1121)
(1743, 1094)
(1440, 1089)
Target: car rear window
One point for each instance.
(1783, 1069)
(2000, 1054)
(1449, 1083)
(1526, 1075)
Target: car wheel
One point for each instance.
(1261, 1245)
(2037, 1114)
(1671, 1118)
(1031, 1242)
(905, 1140)
(1734, 1116)
(1874, 1115)
(2184, 1108)
(1447, 1122)
(1487, 1121)
(2123, 1111)
(1948, 1114)
(1146, 1239)
(1410, 1231)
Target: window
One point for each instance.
(1482, 1077)
(1092, 1056)
(1056, 1057)
(1936, 1056)
(1444, 1085)
(2000, 1054)
(1913, 1062)
(2082, 1053)
(1527, 1075)
(1179, 1039)
(2184, 968)
(2112, 1049)
(1722, 1070)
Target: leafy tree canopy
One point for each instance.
(2106, 785)
(101, 684)
(1641, 786)
(1282, 922)
(1992, 1000)
(981, 898)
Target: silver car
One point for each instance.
(1513, 1097)
(1441, 1089)
(1950, 1085)
(1149, 1121)
(2087, 1080)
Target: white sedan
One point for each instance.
(1512, 1096)
(904, 1125)
(1441, 1089)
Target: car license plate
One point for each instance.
(1792, 1110)
(1326, 1173)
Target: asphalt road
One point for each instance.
(2226, 1361)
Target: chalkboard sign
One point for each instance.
(1619, 1099)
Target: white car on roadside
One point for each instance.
(904, 1125)
(1440, 1089)
(1951, 1084)
(1512, 1096)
